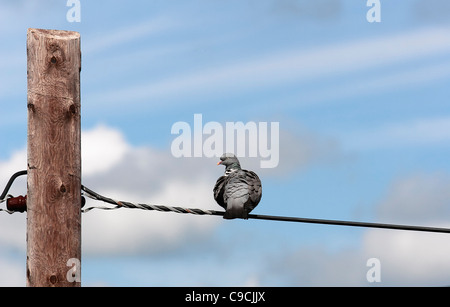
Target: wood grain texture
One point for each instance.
(54, 156)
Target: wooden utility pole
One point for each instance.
(54, 158)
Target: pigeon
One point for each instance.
(238, 191)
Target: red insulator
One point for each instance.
(17, 204)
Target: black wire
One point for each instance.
(250, 216)
(349, 223)
(280, 218)
(10, 182)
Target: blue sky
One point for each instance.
(364, 135)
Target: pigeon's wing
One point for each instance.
(218, 190)
(254, 190)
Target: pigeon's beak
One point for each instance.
(220, 162)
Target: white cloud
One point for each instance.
(417, 198)
(12, 272)
(17, 162)
(313, 266)
(116, 169)
(129, 232)
(13, 234)
(413, 258)
(147, 176)
(14, 229)
(102, 148)
(407, 258)
(292, 66)
(410, 258)
(418, 132)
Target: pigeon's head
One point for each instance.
(230, 161)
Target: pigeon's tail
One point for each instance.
(229, 215)
(236, 209)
